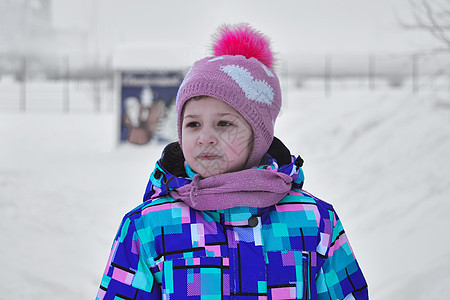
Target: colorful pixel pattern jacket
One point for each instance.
(296, 249)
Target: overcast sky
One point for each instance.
(307, 26)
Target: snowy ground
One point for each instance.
(381, 157)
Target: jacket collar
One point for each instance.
(171, 173)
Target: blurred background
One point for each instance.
(79, 47)
(86, 95)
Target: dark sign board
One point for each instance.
(145, 97)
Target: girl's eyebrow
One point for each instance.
(226, 114)
(218, 114)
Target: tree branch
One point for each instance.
(430, 16)
(436, 30)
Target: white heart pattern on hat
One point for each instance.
(257, 90)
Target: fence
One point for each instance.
(35, 85)
(67, 96)
(54, 84)
(416, 71)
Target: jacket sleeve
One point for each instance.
(127, 275)
(340, 276)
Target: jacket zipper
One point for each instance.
(305, 275)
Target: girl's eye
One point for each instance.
(193, 124)
(225, 123)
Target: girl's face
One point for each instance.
(216, 139)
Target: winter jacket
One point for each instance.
(296, 249)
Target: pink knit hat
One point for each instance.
(240, 74)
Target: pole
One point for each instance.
(371, 72)
(415, 70)
(327, 75)
(23, 89)
(66, 100)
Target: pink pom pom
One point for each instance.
(243, 40)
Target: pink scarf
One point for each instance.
(250, 187)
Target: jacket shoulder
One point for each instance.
(297, 196)
(159, 204)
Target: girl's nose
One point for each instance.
(207, 138)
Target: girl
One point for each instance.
(224, 214)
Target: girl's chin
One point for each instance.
(208, 172)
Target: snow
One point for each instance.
(379, 156)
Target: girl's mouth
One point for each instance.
(208, 156)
